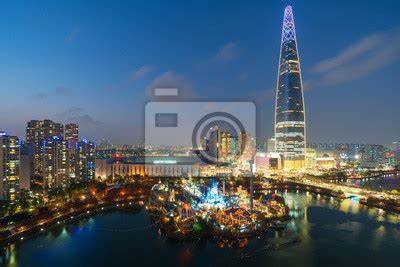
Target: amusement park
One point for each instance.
(192, 210)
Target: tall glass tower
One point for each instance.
(290, 126)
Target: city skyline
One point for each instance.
(68, 78)
(194, 132)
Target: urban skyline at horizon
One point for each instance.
(205, 134)
(324, 126)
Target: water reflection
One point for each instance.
(332, 232)
(385, 182)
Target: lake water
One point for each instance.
(386, 182)
(332, 232)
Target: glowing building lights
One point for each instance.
(290, 127)
(9, 167)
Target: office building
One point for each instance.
(290, 123)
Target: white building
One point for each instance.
(165, 166)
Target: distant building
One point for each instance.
(234, 145)
(9, 167)
(364, 155)
(85, 155)
(105, 144)
(225, 145)
(229, 147)
(325, 163)
(311, 155)
(213, 143)
(373, 156)
(247, 144)
(270, 145)
(392, 155)
(55, 163)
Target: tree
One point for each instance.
(24, 200)
(395, 192)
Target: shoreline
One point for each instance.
(285, 186)
(65, 218)
(384, 204)
(292, 186)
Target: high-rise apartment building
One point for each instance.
(9, 167)
(26, 167)
(72, 136)
(56, 163)
(37, 132)
(85, 156)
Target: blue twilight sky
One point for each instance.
(94, 62)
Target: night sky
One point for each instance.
(95, 62)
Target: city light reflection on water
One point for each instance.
(332, 232)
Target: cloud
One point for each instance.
(72, 111)
(140, 73)
(77, 115)
(360, 59)
(72, 35)
(58, 91)
(84, 120)
(354, 50)
(171, 79)
(227, 53)
(310, 84)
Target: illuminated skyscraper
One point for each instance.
(72, 133)
(85, 155)
(290, 126)
(72, 136)
(56, 163)
(37, 132)
(9, 167)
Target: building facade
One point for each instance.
(72, 136)
(290, 123)
(270, 145)
(27, 167)
(55, 163)
(163, 166)
(37, 132)
(85, 156)
(9, 167)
